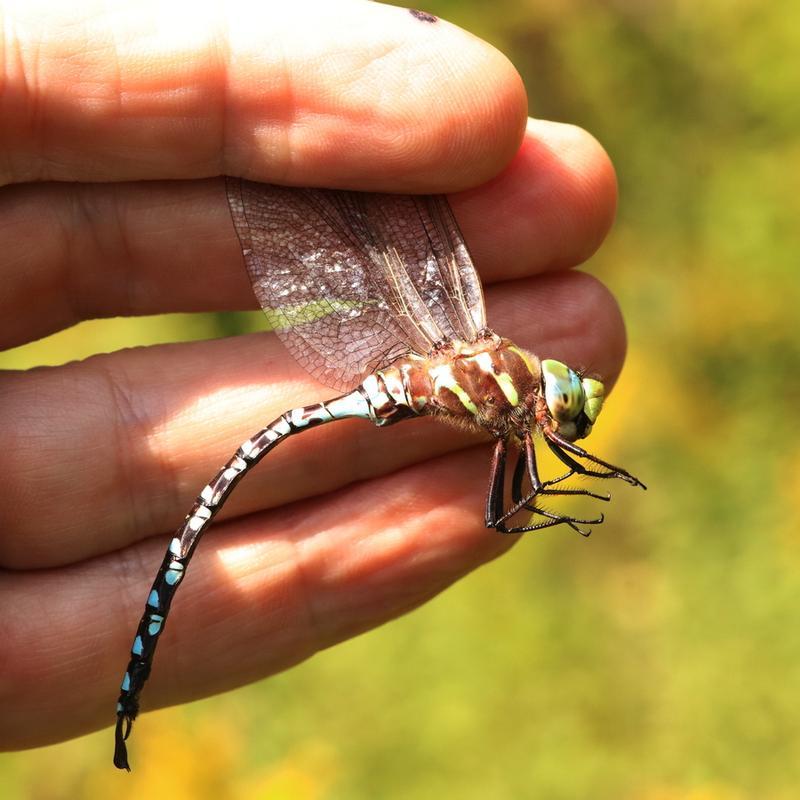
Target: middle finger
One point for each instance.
(80, 251)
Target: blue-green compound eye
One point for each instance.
(563, 391)
(595, 395)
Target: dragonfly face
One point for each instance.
(574, 403)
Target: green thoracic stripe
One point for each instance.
(443, 378)
(506, 385)
(503, 379)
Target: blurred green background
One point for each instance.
(660, 660)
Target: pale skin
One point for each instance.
(341, 528)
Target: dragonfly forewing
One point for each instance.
(352, 280)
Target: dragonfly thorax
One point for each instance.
(490, 384)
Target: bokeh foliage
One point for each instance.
(659, 660)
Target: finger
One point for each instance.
(75, 252)
(359, 558)
(550, 208)
(102, 453)
(278, 91)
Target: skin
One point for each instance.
(113, 130)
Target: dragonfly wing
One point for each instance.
(351, 280)
(315, 282)
(421, 231)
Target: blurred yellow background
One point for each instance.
(661, 661)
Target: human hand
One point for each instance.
(342, 528)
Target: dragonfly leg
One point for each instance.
(495, 517)
(519, 476)
(519, 473)
(526, 464)
(558, 445)
(497, 473)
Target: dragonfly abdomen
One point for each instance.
(380, 399)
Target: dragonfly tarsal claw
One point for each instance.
(630, 479)
(587, 532)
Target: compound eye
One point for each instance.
(595, 395)
(563, 391)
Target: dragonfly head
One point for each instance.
(574, 402)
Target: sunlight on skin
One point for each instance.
(251, 566)
(180, 428)
(95, 336)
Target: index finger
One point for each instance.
(339, 94)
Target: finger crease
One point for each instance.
(130, 433)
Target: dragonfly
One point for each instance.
(379, 292)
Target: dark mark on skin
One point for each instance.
(422, 16)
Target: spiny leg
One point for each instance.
(520, 472)
(497, 473)
(182, 546)
(519, 475)
(496, 517)
(538, 488)
(558, 445)
(574, 465)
